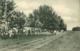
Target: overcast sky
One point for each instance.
(69, 10)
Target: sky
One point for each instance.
(69, 10)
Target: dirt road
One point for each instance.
(31, 46)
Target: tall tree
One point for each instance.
(48, 17)
(17, 20)
(9, 16)
(14, 18)
(6, 9)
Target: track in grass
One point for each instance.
(24, 44)
(37, 44)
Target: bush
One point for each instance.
(76, 29)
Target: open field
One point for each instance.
(67, 41)
(20, 40)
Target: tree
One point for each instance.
(62, 25)
(17, 20)
(30, 21)
(10, 17)
(3, 16)
(47, 17)
(76, 29)
(7, 7)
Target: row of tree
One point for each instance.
(44, 17)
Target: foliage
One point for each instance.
(47, 17)
(10, 17)
(17, 20)
(6, 7)
(76, 29)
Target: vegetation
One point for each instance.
(9, 17)
(12, 23)
(45, 17)
(76, 29)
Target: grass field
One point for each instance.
(20, 40)
(67, 41)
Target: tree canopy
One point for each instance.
(11, 17)
(47, 17)
(76, 29)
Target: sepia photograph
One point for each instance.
(39, 25)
